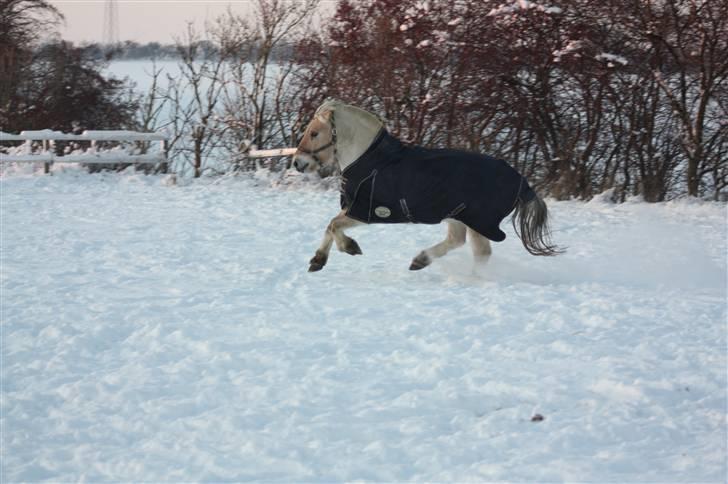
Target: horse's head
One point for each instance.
(337, 136)
(317, 148)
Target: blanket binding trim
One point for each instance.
(456, 210)
(377, 139)
(371, 195)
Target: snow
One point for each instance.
(43, 134)
(121, 135)
(571, 46)
(110, 135)
(10, 137)
(111, 156)
(46, 157)
(605, 56)
(172, 333)
(522, 5)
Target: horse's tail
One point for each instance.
(531, 223)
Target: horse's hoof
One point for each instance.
(352, 248)
(317, 262)
(420, 262)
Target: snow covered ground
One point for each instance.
(172, 333)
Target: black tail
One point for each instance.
(530, 221)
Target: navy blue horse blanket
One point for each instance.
(393, 182)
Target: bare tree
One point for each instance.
(689, 62)
(150, 115)
(22, 23)
(152, 104)
(195, 99)
(254, 101)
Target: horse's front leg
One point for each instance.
(335, 233)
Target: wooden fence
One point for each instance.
(47, 154)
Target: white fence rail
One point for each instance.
(91, 156)
(254, 153)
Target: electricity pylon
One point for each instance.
(111, 24)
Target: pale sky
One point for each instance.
(141, 20)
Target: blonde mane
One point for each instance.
(355, 128)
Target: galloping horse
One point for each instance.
(386, 181)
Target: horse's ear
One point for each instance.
(325, 116)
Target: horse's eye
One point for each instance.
(314, 134)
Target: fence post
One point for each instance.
(46, 165)
(165, 149)
(52, 148)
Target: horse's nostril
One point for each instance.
(300, 164)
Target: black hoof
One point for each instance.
(317, 262)
(352, 248)
(420, 262)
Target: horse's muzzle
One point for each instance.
(301, 162)
(298, 165)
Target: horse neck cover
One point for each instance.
(397, 183)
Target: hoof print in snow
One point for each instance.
(537, 418)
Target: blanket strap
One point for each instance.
(406, 210)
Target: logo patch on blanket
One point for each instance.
(382, 212)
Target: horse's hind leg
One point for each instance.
(480, 245)
(455, 238)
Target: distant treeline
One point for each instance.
(130, 50)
